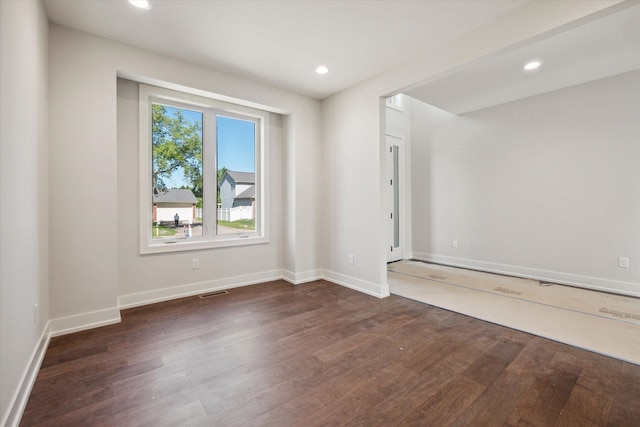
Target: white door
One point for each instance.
(394, 145)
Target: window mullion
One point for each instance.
(209, 173)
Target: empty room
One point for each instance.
(282, 213)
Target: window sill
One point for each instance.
(169, 245)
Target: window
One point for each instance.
(202, 172)
(396, 102)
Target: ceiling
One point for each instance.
(282, 42)
(597, 49)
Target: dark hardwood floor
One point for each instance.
(319, 354)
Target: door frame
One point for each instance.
(394, 139)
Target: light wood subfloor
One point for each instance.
(319, 354)
(601, 322)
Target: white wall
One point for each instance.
(547, 187)
(304, 205)
(23, 190)
(353, 223)
(95, 265)
(354, 129)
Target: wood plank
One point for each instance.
(444, 407)
(625, 410)
(491, 364)
(497, 402)
(586, 407)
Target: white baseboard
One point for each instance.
(595, 283)
(369, 288)
(84, 321)
(303, 277)
(21, 395)
(109, 316)
(181, 291)
(159, 295)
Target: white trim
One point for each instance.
(21, 396)
(105, 317)
(398, 140)
(199, 92)
(178, 245)
(369, 288)
(181, 291)
(289, 276)
(190, 289)
(595, 283)
(302, 277)
(84, 321)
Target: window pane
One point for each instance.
(236, 147)
(176, 172)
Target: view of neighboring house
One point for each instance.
(237, 189)
(168, 203)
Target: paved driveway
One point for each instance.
(196, 231)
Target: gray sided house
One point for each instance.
(237, 189)
(174, 201)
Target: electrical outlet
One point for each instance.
(455, 244)
(195, 263)
(623, 262)
(36, 314)
(351, 259)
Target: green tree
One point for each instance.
(221, 173)
(177, 143)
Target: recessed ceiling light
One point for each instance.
(532, 65)
(141, 4)
(322, 70)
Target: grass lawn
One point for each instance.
(161, 230)
(249, 224)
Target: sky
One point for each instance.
(235, 145)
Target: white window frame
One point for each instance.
(210, 108)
